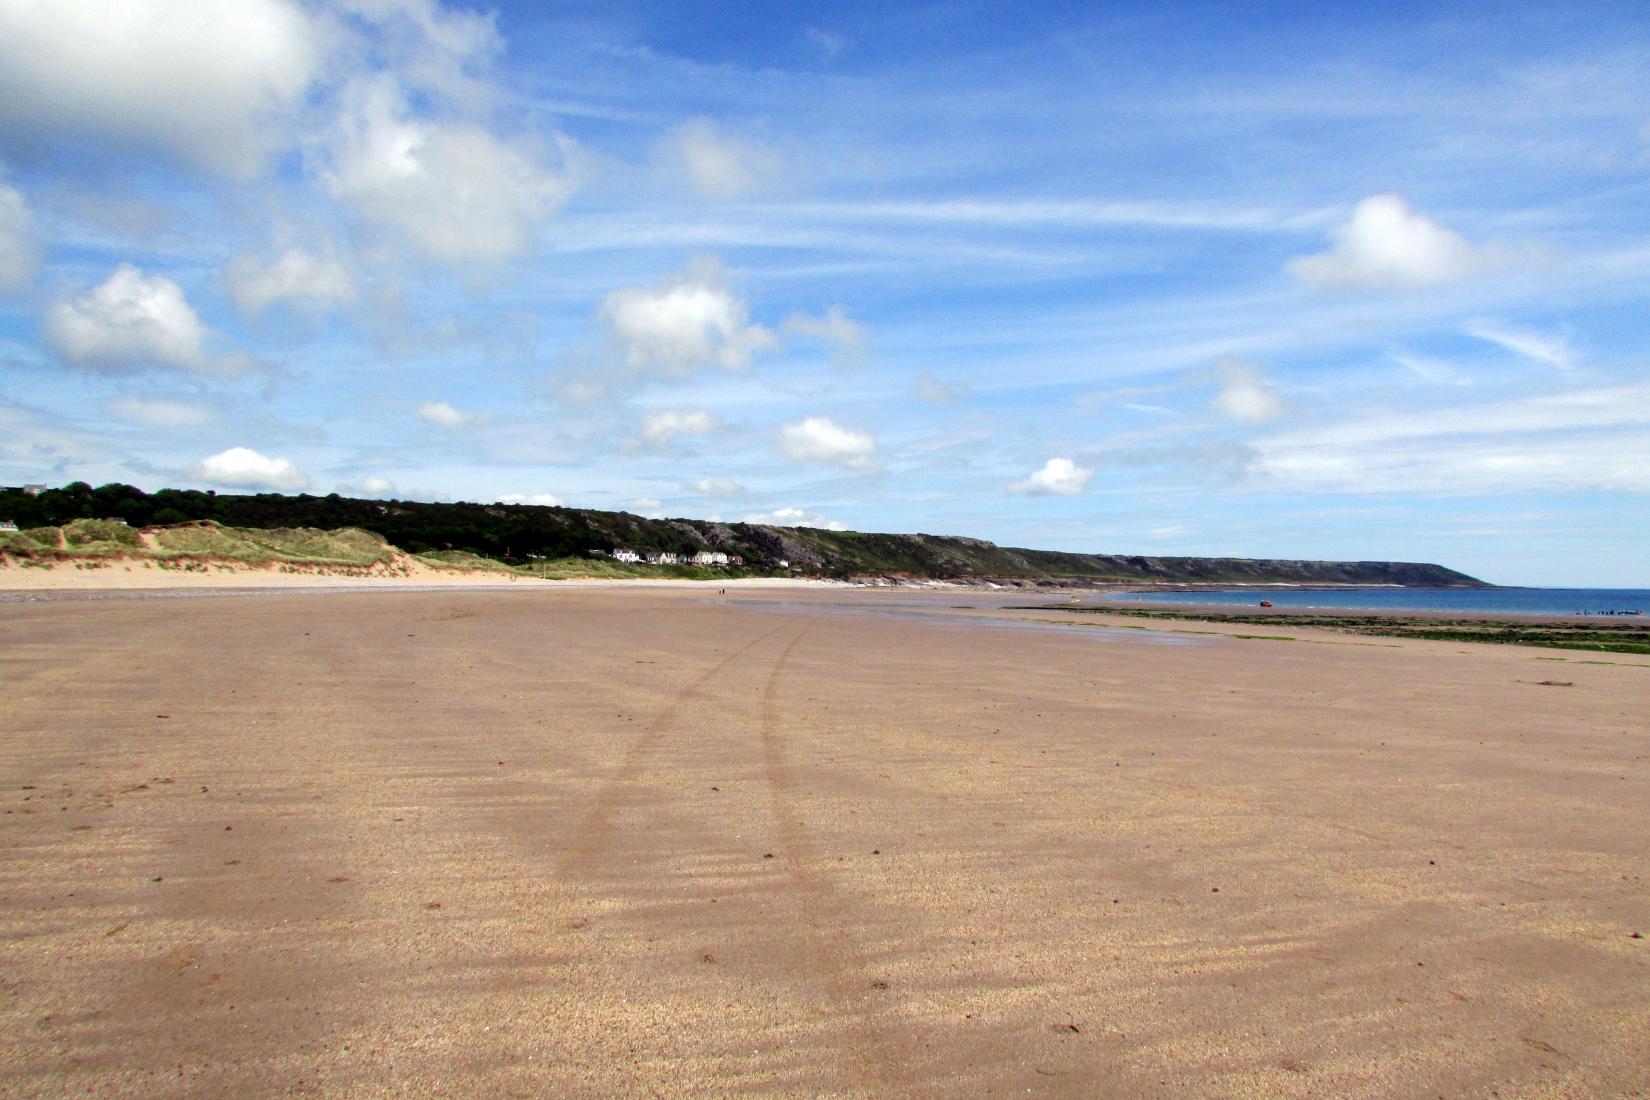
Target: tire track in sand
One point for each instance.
(839, 963)
(596, 825)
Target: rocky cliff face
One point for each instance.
(853, 553)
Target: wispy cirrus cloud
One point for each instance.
(1555, 351)
(1571, 440)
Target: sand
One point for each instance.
(646, 842)
(115, 575)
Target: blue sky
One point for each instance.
(1265, 280)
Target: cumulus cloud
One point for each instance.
(1554, 351)
(1058, 477)
(133, 320)
(717, 166)
(213, 82)
(647, 506)
(433, 48)
(19, 249)
(1244, 395)
(371, 486)
(795, 517)
(306, 278)
(685, 323)
(820, 440)
(664, 425)
(243, 468)
(1387, 245)
(833, 327)
(158, 413)
(718, 487)
(444, 415)
(542, 500)
(454, 191)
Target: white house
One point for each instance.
(622, 554)
(710, 557)
(7, 525)
(662, 557)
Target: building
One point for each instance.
(662, 557)
(622, 554)
(7, 525)
(35, 490)
(710, 557)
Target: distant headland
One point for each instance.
(39, 522)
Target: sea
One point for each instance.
(1502, 601)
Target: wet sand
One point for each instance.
(648, 842)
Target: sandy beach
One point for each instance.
(550, 840)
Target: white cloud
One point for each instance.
(1244, 395)
(795, 517)
(19, 248)
(718, 487)
(243, 468)
(1058, 477)
(133, 320)
(371, 486)
(664, 425)
(444, 415)
(685, 323)
(431, 47)
(1613, 460)
(316, 279)
(647, 506)
(1576, 439)
(932, 391)
(157, 413)
(834, 327)
(1434, 371)
(715, 165)
(543, 500)
(821, 440)
(453, 190)
(210, 81)
(1567, 410)
(1554, 351)
(830, 43)
(1388, 245)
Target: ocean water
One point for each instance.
(1505, 601)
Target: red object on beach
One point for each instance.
(1266, 603)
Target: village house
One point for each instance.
(7, 525)
(622, 554)
(710, 557)
(662, 557)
